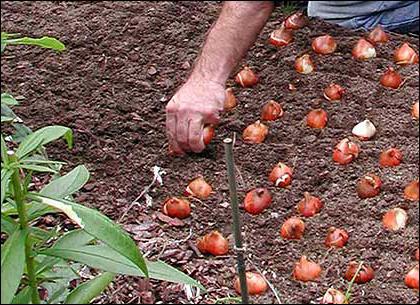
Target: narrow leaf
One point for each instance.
(4, 157)
(67, 184)
(86, 292)
(8, 225)
(6, 119)
(42, 137)
(104, 258)
(73, 239)
(21, 132)
(12, 265)
(8, 100)
(44, 42)
(38, 168)
(99, 226)
(5, 179)
(23, 297)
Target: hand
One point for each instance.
(197, 103)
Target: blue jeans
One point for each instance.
(402, 20)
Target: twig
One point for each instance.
(145, 190)
(273, 289)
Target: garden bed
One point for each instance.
(124, 62)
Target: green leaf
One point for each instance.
(4, 157)
(7, 111)
(38, 168)
(87, 291)
(12, 265)
(44, 42)
(74, 238)
(8, 225)
(23, 297)
(8, 100)
(57, 281)
(6, 119)
(21, 132)
(42, 137)
(104, 258)
(99, 226)
(5, 179)
(67, 184)
(37, 209)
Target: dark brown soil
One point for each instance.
(124, 61)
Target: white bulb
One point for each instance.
(364, 130)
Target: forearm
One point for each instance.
(232, 35)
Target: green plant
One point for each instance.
(38, 262)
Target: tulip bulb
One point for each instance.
(199, 188)
(306, 271)
(412, 278)
(304, 64)
(378, 35)
(230, 101)
(317, 118)
(345, 152)
(281, 37)
(177, 208)
(309, 205)
(246, 78)
(324, 45)
(281, 175)
(369, 186)
(334, 92)
(395, 219)
(296, 21)
(255, 133)
(365, 274)
(405, 55)
(364, 130)
(271, 111)
(415, 111)
(257, 200)
(390, 157)
(254, 282)
(208, 134)
(391, 79)
(363, 50)
(411, 191)
(213, 243)
(293, 228)
(334, 296)
(336, 238)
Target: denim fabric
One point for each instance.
(404, 19)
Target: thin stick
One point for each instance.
(236, 221)
(348, 292)
(145, 190)
(273, 289)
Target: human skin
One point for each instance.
(200, 100)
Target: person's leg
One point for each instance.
(403, 20)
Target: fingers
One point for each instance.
(195, 135)
(182, 131)
(171, 123)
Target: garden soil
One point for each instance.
(124, 61)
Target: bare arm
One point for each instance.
(200, 100)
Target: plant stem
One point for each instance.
(236, 222)
(348, 292)
(24, 225)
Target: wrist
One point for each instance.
(203, 75)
